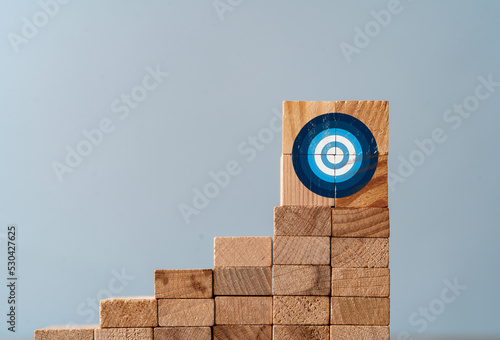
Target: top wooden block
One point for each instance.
(184, 284)
(374, 114)
(66, 333)
(128, 312)
(243, 251)
(296, 115)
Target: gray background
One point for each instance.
(119, 209)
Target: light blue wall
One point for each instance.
(119, 208)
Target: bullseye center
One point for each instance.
(335, 155)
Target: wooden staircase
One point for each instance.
(324, 274)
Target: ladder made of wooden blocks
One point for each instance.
(323, 276)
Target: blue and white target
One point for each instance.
(335, 155)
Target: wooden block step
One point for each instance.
(301, 250)
(296, 114)
(183, 333)
(183, 284)
(360, 311)
(84, 332)
(302, 221)
(301, 310)
(366, 282)
(129, 312)
(124, 334)
(243, 332)
(293, 192)
(367, 252)
(301, 280)
(359, 333)
(186, 312)
(360, 222)
(242, 281)
(242, 252)
(243, 310)
(281, 332)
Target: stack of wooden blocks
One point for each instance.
(333, 252)
(323, 276)
(328, 282)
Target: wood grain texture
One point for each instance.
(183, 284)
(368, 282)
(242, 281)
(129, 312)
(185, 312)
(360, 311)
(359, 332)
(296, 114)
(301, 280)
(66, 333)
(243, 310)
(301, 310)
(360, 222)
(302, 250)
(282, 332)
(374, 194)
(293, 192)
(349, 252)
(243, 252)
(375, 115)
(302, 221)
(124, 334)
(183, 333)
(243, 332)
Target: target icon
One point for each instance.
(335, 155)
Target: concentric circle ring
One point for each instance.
(335, 155)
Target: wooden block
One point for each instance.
(243, 252)
(360, 222)
(243, 310)
(374, 114)
(186, 312)
(374, 194)
(183, 333)
(66, 333)
(242, 281)
(293, 192)
(124, 334)
(348, 252)
(369, 282)
(243, 332)
(302, 221)
(301, 250)
(183, 284)
(129, 312)
(301, 310)
(360, 311)
(301, 332)
(296, 114)
(301, 280)
(359, 332)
